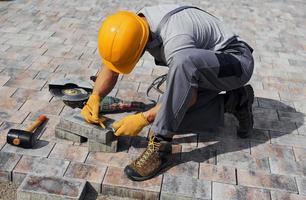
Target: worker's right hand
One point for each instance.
(90, 111)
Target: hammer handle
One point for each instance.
(37, 123)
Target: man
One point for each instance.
(204, 58)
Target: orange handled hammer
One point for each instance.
(27, 138)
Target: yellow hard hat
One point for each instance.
(121, 41)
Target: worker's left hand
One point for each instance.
(130, 125)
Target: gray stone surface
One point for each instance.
(7, 163)
(96, 146)
(56, 188)
(185, 188)
(68, 136)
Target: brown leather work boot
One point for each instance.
(151, 161)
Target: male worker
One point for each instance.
(204, 58)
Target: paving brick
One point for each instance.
(188, 169)
(292, 116)
(110, 146)
(279, 105)
(75, 124)
(287, 167)
(69, 152)
(217, 173)
(277, 195)
(243, 160)
(302, 130)
(232, 192)
(274, 125)
(91, 173)
(198, 155)
(185, 188)
(4, 79)
(6, 91)
(301, 182)
(265, 113)
(10, 103)
(42, 148)
(48, 134)
(266, 180)
(40, 166)
(119, 159)
(260, 150)
(117, 184)
(13, 116)
(290, 140)
(43, 187)
(69, 136)
(43, 107)
(300, 153)
(26, 94)
(7, 163)
(26, 83)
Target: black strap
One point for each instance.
(156, 39)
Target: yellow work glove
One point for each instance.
(90, 111)
(130, 125)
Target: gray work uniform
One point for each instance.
(203, 55)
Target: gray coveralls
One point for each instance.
(203, 55)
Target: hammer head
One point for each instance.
(21, 138)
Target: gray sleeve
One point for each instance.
(177, 43)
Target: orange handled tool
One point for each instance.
(25, 139)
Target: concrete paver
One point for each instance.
(42, 40)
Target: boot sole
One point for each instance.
(135, 178)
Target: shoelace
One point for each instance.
(152, 147)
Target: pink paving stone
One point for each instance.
(48, 187)
(26, 94)
(266, 181)
(4, 79)
(13, 116)
(91, 173)
(217, 173)
(69, 152)
(40, 166)
(119, 159)
(6, 91)
(43, 107)
(196, 154)
(26, 83)
(287, 167)
(277, 195)
(116, 183)
(233, 192)
(300, 153)
(189, 169)
(10, 103)
(301, 182)
(262, 150)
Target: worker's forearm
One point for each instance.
(105, 82)
(151, 114)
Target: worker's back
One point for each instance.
(190, 28)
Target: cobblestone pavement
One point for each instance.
(45, 39)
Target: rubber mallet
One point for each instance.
(25, 138)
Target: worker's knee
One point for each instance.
(182, 63)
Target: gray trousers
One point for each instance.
(209, 73)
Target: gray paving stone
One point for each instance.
(185, 188)
(69, 136)
(233, 192)
(57, 188)
(7, 163)
(75, 123)
(40, 166)
(91, 173)
(96, 146)
(243, 160)
(42, 148)
(266, 181)
(301, 182)
(287, 167)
